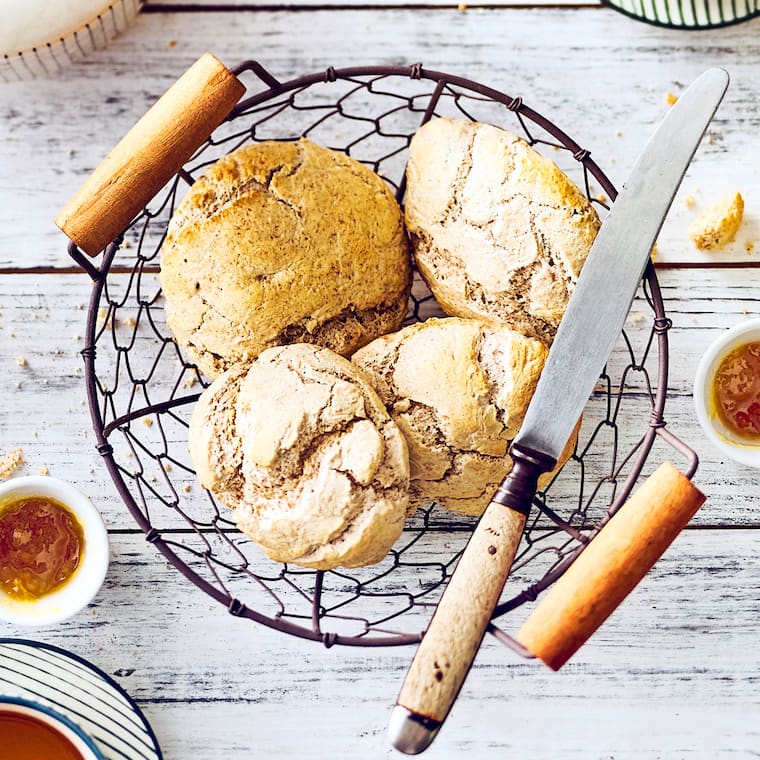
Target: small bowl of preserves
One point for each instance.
(33, 731)
(54, 551)
(727, 392)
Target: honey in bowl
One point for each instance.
(736, 392)
(41, 544)
(26, 737)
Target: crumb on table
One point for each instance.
(718, 225)
(10, 462)
(106, 318)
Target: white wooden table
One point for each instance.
(674, 673)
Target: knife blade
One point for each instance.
(586, 336)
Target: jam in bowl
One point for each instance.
(727, 392)
(53, 550)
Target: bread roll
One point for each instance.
(499, 232)
(458, 390)
(301, 448)
(279, 243)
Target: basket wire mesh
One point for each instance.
(141, 387)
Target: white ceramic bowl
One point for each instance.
(86, 580)
(60, 723)
(729, 444)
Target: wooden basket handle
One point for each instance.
(611, 566)
(150, 154)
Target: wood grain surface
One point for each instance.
(673, 672)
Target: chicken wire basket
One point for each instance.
(142, 387)
(687, 14)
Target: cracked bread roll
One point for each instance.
(498, 231)
(284, 242)
(299, 445)
(458, 390)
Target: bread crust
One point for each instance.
(498, 231)
(283, 242)
(458, 389)
(301, 448)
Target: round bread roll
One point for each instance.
(498, 231)
(458, 390)
(301, 448)
(279, 243)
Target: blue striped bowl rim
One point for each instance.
(74, 687)
(688, 14)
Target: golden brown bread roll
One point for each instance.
(458, 390)
(499, 232)
(283, 242)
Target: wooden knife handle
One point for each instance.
(459, 623)
(457, 628)
(151, 153)
(609, 568)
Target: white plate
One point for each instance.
(84, 694)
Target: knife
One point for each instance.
(586, 336)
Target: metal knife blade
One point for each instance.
(614, 267)
(588, 331)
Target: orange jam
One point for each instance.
(41, 543)
(736, 391)
(25, 737)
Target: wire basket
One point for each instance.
(141, 387)
(687, 14)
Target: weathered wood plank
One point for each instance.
(338, 5)
(605, 84)
(673, 673)
(43, 322)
